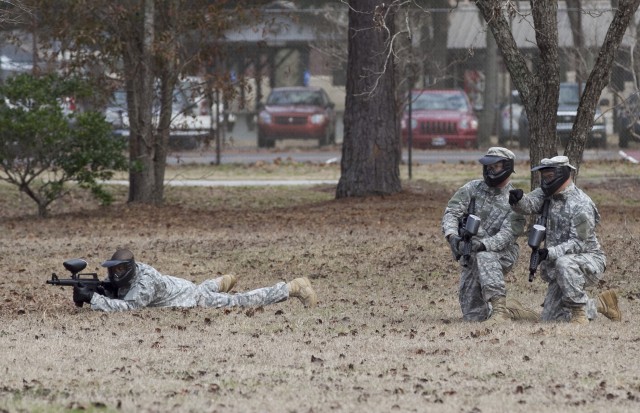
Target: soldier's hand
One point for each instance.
(454, 242)
(543, 253)
(82, 294)
(477, 246)
(104, 291)
(515, 195)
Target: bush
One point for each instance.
(43, 147)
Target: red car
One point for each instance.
(297, 113)
(440, 118)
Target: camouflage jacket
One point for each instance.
(500, 226)
(149, 288)
(571, 224)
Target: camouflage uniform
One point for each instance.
(149, 288)
(575, 259)
(483, 279)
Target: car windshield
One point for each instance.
(180, 101)
(569, 95)
(439, 101)
(294, 97)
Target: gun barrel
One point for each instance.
(71, 282)
(533, 264)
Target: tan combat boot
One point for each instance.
(519, 312)
(608, 305)
(500, 313)
(226, 282)
(301, 288)
(578, 315)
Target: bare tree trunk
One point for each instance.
(598, 79)
(371, 149)
(488, 115)
(168, 78)
(574, 13)
(435, 37)
(539, 90)
(138, 64)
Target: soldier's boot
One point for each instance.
(301, 288)
(226, 282)
(578, 315)
(500, 314)
(518, 312)
(608, 305)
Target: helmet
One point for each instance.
(494, 155)
(561, 173)
(121, 267)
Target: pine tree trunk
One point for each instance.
(371, 149)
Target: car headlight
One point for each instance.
(264, 117)
(317, 119)
(469, 123)
(403, 123)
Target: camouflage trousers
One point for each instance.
(208, 296)
(567, 277)
(481, 280)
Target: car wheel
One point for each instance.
(523, 140)
(263, 142)
(324, 140)
(603, 142)
(502, 137)
(623, 137)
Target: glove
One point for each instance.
(454, 241)
(515, 195)
(477, 246)
(82, 294)
(108, 290)
(543, 253)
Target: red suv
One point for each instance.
(440, 118)
(297, 113)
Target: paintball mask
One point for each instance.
(550, 183)
(121, 267)
(497, 165)
(554, 172)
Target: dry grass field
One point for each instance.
(386, 336)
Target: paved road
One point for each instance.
(240, 147)
(307, 154)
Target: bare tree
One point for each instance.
(371, 149)
(147, 45)
(539, 89)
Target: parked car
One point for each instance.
(628, 121)
(440, 118)
(296, 113)
(191, 115)
(509, 122)
(568, 101)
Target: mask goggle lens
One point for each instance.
(120, 270)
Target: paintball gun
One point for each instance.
(468, 227)
(89, 280)
(471, 227)
(537, 235)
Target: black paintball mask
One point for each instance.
(494, 178)
(121, 267)
(551, 184)
(495, 156)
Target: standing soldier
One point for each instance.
(572, 258)
(487, 252)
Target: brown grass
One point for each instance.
(386, 336)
